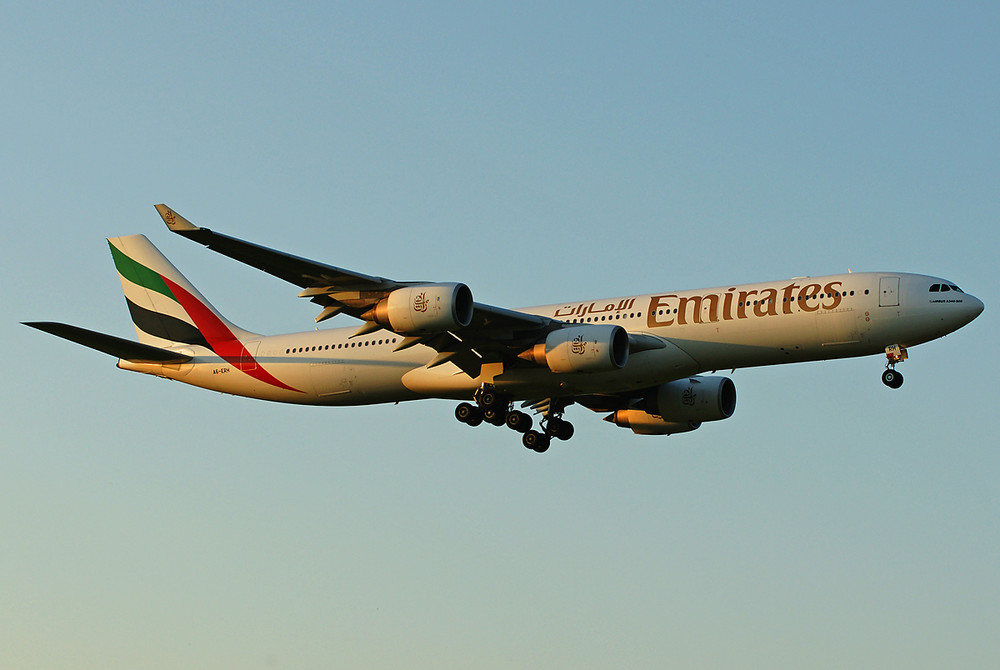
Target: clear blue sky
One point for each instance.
(539, 153)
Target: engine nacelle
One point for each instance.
(644, 423)
(425, 308)
(694, 399)
(602, 348)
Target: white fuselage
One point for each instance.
(804, 319)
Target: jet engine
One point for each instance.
(424, 308)
(694, 399)
(598, 348)
(679, 406)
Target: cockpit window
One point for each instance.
(955, 288)
(945, 287)
(935, 288)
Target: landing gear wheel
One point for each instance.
(536, 441)
(488, 399)
(464, 411)
(519, 421)
(495, 415)
(892, 379)
(469, 414)
(559, 428)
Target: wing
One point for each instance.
(492, 334)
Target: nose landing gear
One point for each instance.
(894, 354)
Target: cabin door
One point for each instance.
(888, 292)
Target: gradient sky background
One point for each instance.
(538, 153)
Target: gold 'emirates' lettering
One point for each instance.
(767, 306)
(810, 292)
(734, 304)
(786, 298)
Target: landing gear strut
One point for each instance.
(894, 354)
(495, 408)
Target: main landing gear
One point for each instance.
(894, 354)
(495, 408)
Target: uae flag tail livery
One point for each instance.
(169, 312)
(166, 309)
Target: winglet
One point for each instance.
(174, 221)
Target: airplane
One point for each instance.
(645, 361)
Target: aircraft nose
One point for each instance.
(974, 307)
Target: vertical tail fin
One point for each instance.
(166, 309)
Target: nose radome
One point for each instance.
(975, 307)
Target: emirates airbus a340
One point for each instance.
(640, 359)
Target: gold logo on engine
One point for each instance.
(578, 346)
(420, 302)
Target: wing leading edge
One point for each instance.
(492, 334)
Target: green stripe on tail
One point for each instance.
(139, 274)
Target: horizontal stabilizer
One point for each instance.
(109, 344)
